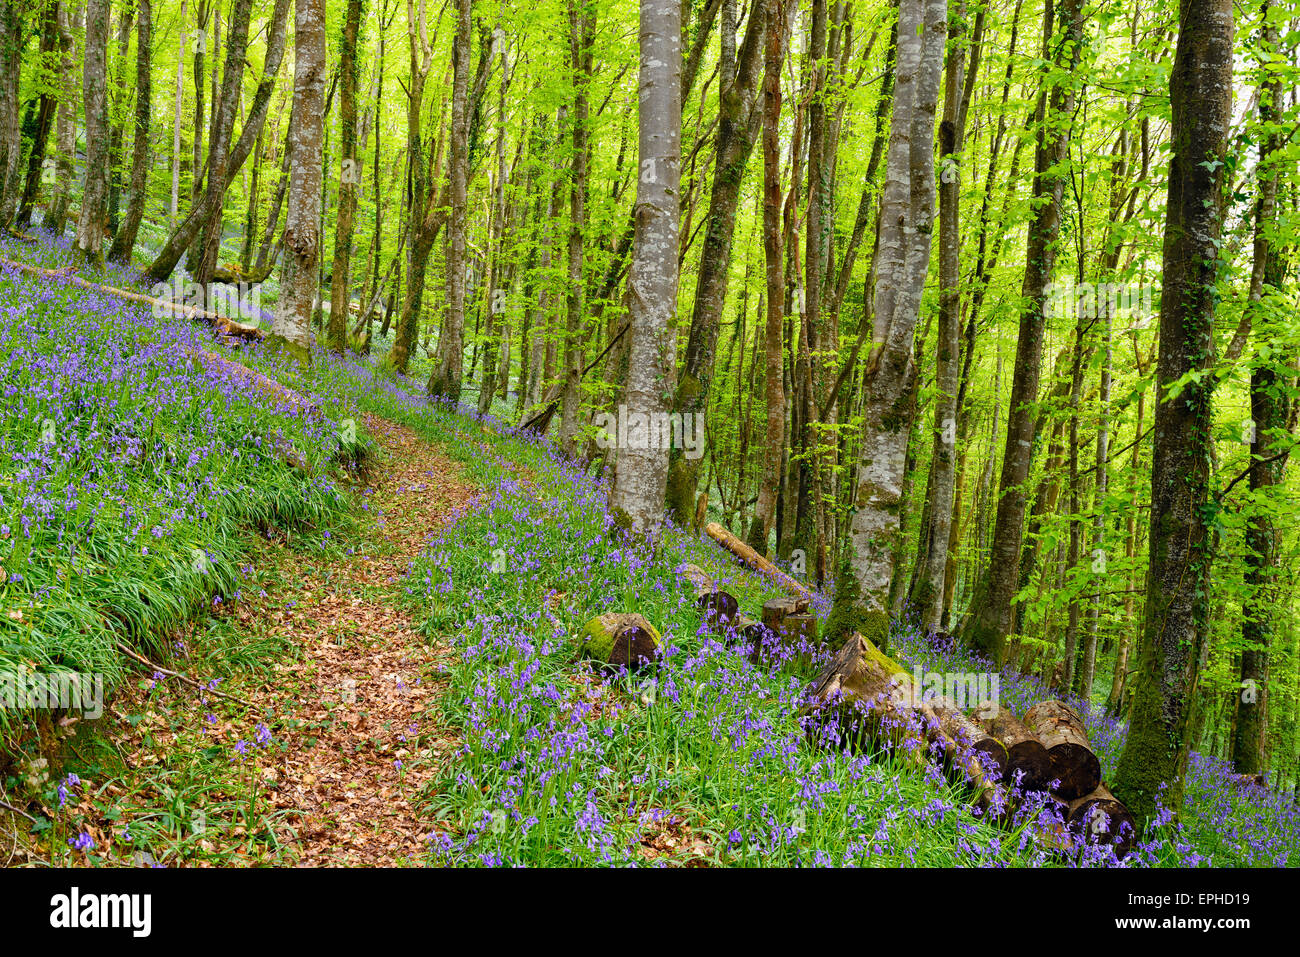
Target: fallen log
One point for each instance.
(870, 694)
(267, 386)
(619, 640)
(1025, 753)
(860, 695)
(746, 554)
(221, 323)
(1101, 818)
(719, 608)
(1061, 730)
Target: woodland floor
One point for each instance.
(346, 706)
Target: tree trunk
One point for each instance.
(48, 104)
(91, 223)
(991, 619)
(56, 211)
(641, 469)
(349, 179)
(197, 231)
(739, 123)
(1074, 764)
(760, 535)
(445, 379)
(582, 31)
(906, 221)
(1178, 586)
(13, 39)
(1270, 412)
(291, 330)
(124, 241)
(928, 596)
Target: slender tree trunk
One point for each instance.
(124, 241)
(1270, 412)
(928, 596)
(582, 31)
(445, 379)
(739, 123)
(65, 135)
(200, 230)
(13, 38)
(1178, 587)
(91, 223)
(991, 617)
(349, 179)
(48, 104)
(760, 536)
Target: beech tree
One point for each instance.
(641, 473)
(903, 256)
(291, 330)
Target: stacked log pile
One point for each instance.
(862, 696)
(867, 697)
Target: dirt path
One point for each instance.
(351, 710)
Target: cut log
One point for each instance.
(719, 608)
(752, 558)
(860, 694)
(620, 640)
(1102, 819)
(991, 752)
(870, 695)
(1061, 730)
(1025, 753)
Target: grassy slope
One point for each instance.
(703, 760)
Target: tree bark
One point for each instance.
(991, 618)
(445, 379)
(760, 535)
(349, 179)
(89, 242)
(739, 123)
(291, 330)
(124, 241)
(56, 211)
(1270, 412)
(928, 596)
(1178, 587)
(641, 469)
(902, 260)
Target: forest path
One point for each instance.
(349, 713)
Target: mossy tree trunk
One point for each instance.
(1176, 624)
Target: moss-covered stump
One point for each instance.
(621, 640)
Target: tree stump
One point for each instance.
(1074, 764)
(719, 609)
(619, 640)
